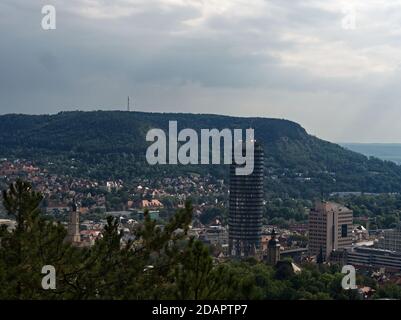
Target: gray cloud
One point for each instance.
(250, 58)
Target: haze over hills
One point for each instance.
(111, 144)
(384, 151)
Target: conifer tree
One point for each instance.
(34, 243)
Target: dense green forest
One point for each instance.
(382, 210)
(159, 264)
(111, 144)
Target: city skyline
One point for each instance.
(200, 155)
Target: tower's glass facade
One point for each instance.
(246, 207)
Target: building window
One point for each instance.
(344, 230)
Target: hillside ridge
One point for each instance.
(112, 144)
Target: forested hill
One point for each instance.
(111, 144)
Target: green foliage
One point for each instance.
(211, 213)
(21, 202)
(383, 210)
(195, 277)
(111, 144)
(280, 212)
(32, 244)
(389, 291)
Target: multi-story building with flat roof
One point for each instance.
(391, 240)
(330, 228)
(365, 257)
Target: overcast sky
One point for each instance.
(296, 59)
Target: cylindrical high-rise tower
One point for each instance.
(246, 207)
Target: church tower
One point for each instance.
(273, 250)
(73, 235)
